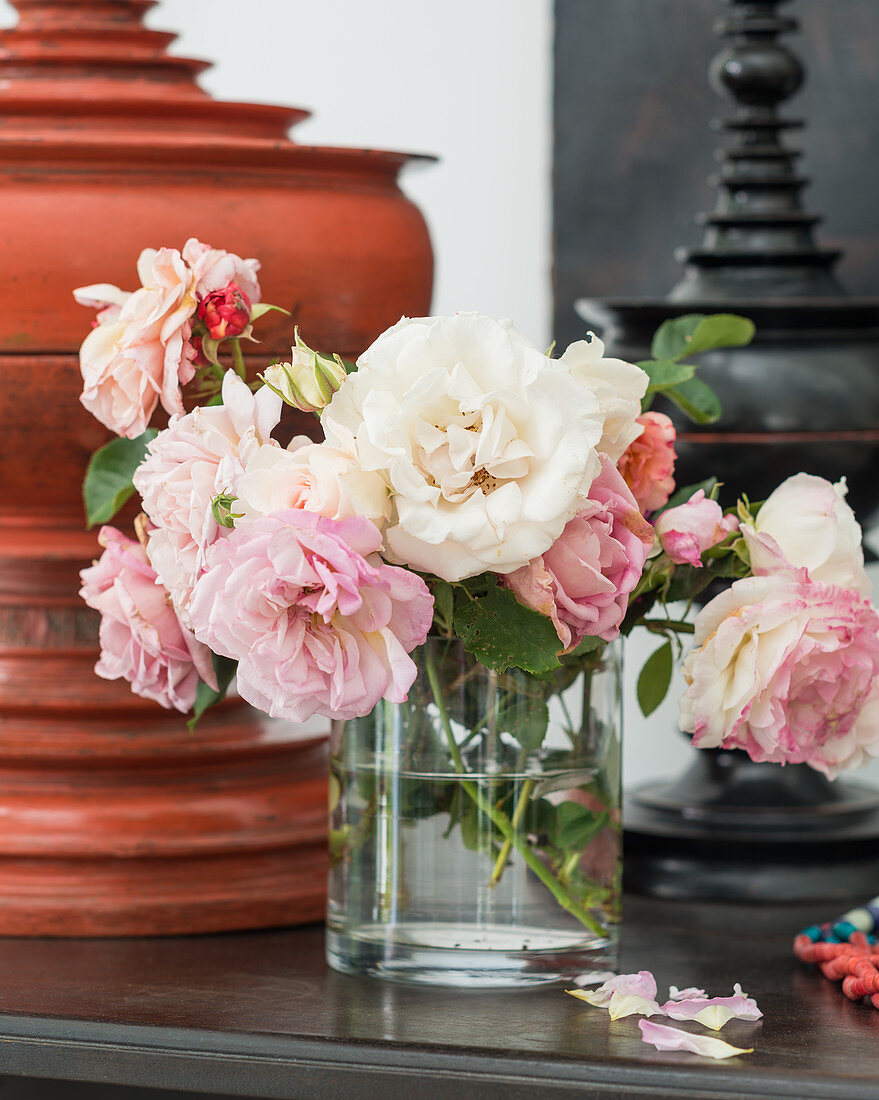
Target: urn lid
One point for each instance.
(108, 145)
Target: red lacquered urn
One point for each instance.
(114, 818)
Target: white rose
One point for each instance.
(619, 387)
(313, 476)
(806, 522)
(486, 445)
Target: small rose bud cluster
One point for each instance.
(225, 313)
(309, 380)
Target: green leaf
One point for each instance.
(501, 633)
(664, 374)
(475, 828)
(655, 678)
(697, 400)
(526, 718)
(576, 825)
(205, 696)
(262, 308)
(107, 485)
(681, 337)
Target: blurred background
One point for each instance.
(573, 142)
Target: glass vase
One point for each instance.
(475, 832)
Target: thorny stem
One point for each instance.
(499, 819)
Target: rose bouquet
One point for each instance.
(445, 574)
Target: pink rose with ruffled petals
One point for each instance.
(584, 580)
(784, 668)
(139, 353)
(316, 620)
(196, 458)
(648, 464)
(686, 532)
(213, 269)
(142, 640)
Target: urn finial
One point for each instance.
(758, 240)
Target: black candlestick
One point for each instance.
(803, 396)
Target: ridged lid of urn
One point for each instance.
(92, 107)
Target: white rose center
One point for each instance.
(461, 451)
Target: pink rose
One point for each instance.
(784, 668)
(806, 523)
(142, 640)
(583, 581)
(648, 464)
(213, 269)
(225, 313)
(139, 353)
(316, 620)
(686, 532)
(196, 458)
(121, 377)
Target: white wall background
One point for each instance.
(469, 80)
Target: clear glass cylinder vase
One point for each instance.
(475, 834)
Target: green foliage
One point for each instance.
(681, 337)
(653, 683)
(697, 400)
(663, 374)
(500, 632)
(107, 484)
(205, 696)
(575, 826)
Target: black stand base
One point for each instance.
(730, 829)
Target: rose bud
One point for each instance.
(308, 381)
(225, 312)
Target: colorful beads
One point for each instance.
(846, 950)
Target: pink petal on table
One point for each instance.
(624, 995)
(642, 984)
(714, 1012)
(675, 994)
(672, 1038)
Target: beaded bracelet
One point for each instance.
(846, 949)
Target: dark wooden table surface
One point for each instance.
(260, 1015)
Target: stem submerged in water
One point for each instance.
(508, 830)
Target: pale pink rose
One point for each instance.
(784, 669)
(139, 353)
(318, 623)
(196, 458)
(648, 464)
(162, 311)
(584, 580)
(142, 640)
(121, 377)
(807, 523)
(213, 269)
(686, 532)
(313, 476)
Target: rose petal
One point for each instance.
(713, 1012)
(672, 1038)
(675, 994)
(623, 995)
